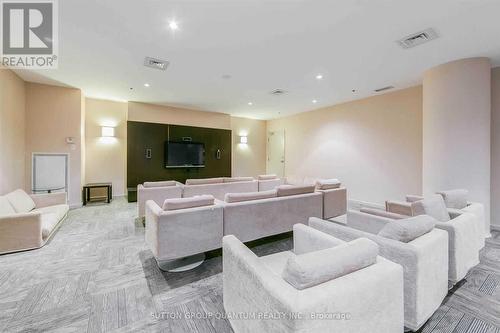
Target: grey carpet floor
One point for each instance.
(97, 275)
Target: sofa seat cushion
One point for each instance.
(409, 229)
(49, 222)
(313, 268)
(433, 206)
(21, 201)
(286, 190)
(5, 207)
(204, 181)
(184, 203)
(238, 179)
(327, 184)
(59, 211)
(456, 199)
(164, 183)
(248, 196)
(266, 177)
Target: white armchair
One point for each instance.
(158, 192)
(424, 260)
(366, 300)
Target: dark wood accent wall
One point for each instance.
(142, 136)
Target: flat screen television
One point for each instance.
(184, 154)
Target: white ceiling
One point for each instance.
(263, 45)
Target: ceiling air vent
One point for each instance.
(418, 38)
(155, 63)
(384, 88)
(278, 92)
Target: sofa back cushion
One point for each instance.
(313, 268)
(21, 201)
(239, 197)
(406, 230)
(184, 203)
(266, 177)
(164, 183)
(203, 181)
(5, 207)
(327, 184)
(286, 190)
(238, 179)
(456, 199)
(433, 206)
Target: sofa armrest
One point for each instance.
(334, 202)
(49, 199)
(306, 239)
(454, 213)
(20, 232)
(413, 198)
(399, 207)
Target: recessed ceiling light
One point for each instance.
(314, 101)
(250, 103)
(319, 76)
(146, 85)
(173, 25)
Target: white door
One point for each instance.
(276, 153)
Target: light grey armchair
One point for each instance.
(366, 300)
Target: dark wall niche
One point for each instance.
(146, 153)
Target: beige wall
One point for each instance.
(52, 114)
(495, 147)
(249, 159)
(373, 145)
(12, 131)
(170, 115)
(106, 158)
(456, 128)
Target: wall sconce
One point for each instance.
(107, 132)
(244, 139)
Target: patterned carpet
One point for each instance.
(97, 275)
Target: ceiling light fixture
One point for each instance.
(146, 85)
(250, 103)
(173, 25)
(319, 76)
(314, 101)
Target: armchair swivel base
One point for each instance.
(181, 264)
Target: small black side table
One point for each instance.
(87, 187)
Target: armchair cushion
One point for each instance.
(247, 196)
(204, 181)
(433, 206)
(266, 177)
(183, 203)
(160, 184)
(286, 190)
(313, 268)
(408, 229)
(327, 184)
(455, 198)
(21, 201)
(237, 179)
(5, 207)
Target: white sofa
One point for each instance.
(184, 232)
(254, 219)
(158, 192)
(463, 245)
(269, 182)
(29, 221)
(368, 299)
(424, 259)
(219, 187)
